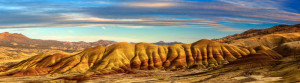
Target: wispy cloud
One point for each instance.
(83, 20)
(17, 29)
(143, 13)
(151, 5)
(225, 29)
(103, 28)
(231, 29)
(265, 4)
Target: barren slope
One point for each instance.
(279, 29)
(125, 58)
(289, 49)
(271, 40)
(270, 37)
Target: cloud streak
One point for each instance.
(150, 5)
(182, 13)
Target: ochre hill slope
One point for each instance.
(279, 29)
(271, 37)
(124, 57)
(271, 40)
(35, 65)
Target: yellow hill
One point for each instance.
(271, 40)
(124, 57)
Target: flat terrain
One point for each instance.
(155, 76)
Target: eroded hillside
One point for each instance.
(252, 57)
(124, 58)
(271, 40)
(9, 56)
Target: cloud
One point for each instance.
(103, 28)
(242, 20)
(231, 29)
(17, 29)
(225, 29)
(70, 31)
(151, 5)
(265, 4)
(142, 13)
(196, 10)
(84, 20)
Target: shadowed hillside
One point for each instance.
(289, 49)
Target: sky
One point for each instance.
(142, 20)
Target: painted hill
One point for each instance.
(124, 58)
(257, 68)
(16, 40)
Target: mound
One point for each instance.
(252, 61)
(289, 49)
(268, 52)
(124, 57)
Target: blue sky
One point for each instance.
(142, 20)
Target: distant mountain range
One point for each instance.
(167, 43)
(17, 40)
(162, 43)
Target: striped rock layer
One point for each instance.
(124, 57)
